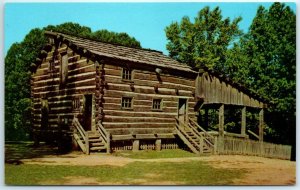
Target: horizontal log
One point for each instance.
(109, 125)
(147, 90)
(152, 77)
(137, 102)
(117, 94)
(130, 131)
(60, 110)
(125, 113)
(82, 84)
(122, 137)
(73, 68)
(149, 83)
(136, 108)
(72, 80)
(53, 104)
(137, 119)
(77, 90)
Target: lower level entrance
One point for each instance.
(182, 109)
(87, 115)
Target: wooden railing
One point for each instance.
(233, 145)
(104, 135)
(181, 132)
(208, 139)
(80, 134)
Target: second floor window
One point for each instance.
(126, 102)
(126, 74)
(156, 105)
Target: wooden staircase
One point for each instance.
(195, 137)
(96, 143)
(91, 141)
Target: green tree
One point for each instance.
(204, 41)
(265, 60)
(17, 72)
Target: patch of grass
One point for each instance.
(183, 173)
(152, 154)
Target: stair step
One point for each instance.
(98, 148)
(95, 140)
(97, 144)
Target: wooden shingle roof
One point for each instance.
(137, 55)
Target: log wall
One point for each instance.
(46, 85)
(104, 80)
(142, 118)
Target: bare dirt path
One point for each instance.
(262, 171)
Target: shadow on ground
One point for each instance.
(15, 151)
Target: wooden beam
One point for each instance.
(221, 120)
(252, 133)
(243, 127)
(261, 125)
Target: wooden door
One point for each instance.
(45, 114)
(87, 115)
(182, 109)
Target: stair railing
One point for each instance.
(79, 133)
(105, 135)
(208, 138)
(181, 132)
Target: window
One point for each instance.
(156, 105)
(76, 103)
(126, 74)
(126, 102)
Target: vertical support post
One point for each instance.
(221, 120)
(221, 129)
(158, 144)
(216, 145)
(243, 127)
(108, 143)
(261, 125)
(136, 145)
(261, 131)
(87, 143)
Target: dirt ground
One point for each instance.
(263, 171)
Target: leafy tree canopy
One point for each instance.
(204, 41)
(265, 58)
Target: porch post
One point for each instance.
(221, 121)
(243, 127)
(221, 130)
(261, 125)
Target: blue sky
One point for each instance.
(144, 21)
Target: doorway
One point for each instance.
(182, 110)
(87, 115)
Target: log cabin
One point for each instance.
(98, 96)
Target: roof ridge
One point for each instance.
(111, 43)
